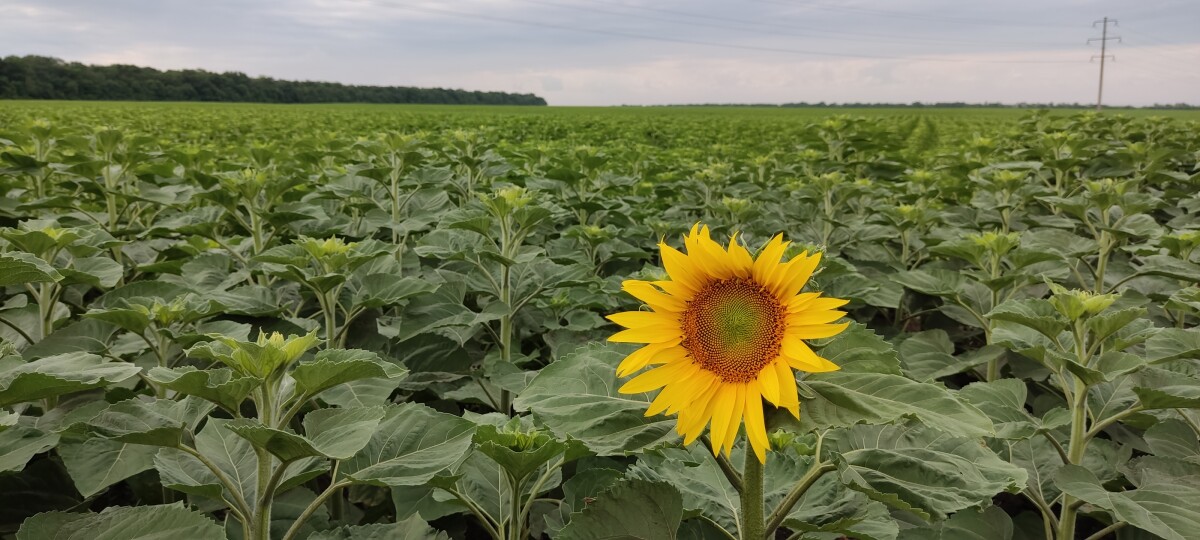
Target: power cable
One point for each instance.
(903, 15)
(791, 28)
(632, 35)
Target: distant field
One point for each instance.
(224, 321)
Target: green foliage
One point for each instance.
(50, 78)
(348, 322)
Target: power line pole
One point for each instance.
(1103, 39)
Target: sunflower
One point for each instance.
(725, 332)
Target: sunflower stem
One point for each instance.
(753, 526)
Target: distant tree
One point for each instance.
(41, 77)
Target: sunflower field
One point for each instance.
(377, 322)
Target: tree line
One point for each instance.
(41, 77)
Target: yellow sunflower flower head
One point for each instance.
(724, 333)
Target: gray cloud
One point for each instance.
(602, 52)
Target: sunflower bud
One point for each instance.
(260, 358)
(996, 243)
(1075, 304)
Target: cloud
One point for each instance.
(601, 52)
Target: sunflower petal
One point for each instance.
(801, 357)
(812, 317)
(768, 382)
(655, 378)
(641, 358)
(646, 334)
(742, 262)
(676, 395)
(769, 258)
(722, 412)
(676, 290)
(826, 303)
(817, 331)
(699, 384)
(798, 274)
(638, 319)
(681, 269)
(708, 253)
(652, 296)
(800, 302)
(756, 427)
(735, 419)
(692, 421)
(788, 397)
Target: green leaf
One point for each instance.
(8, 419)
(60, 374)
(1107, 367)
(413, 528)
(1164, 389)
(845, 399)
(830, 507)
(694, 472)
(332, 367)
(1004, 402)
(158, 423)
(630, 509)
(95, 463)
(441, 312)
(577, 396)
(1171, 344)
(18, 267)
(992, 523)
(19, 443)
(827, 506)
(411, 445)
(1036, 314)
(1040, 461)
(332, 433)
(100, 272)
(378, 290)
(231, 454)
(360, 393)
(1173, 438)
(859, 349)
(1110, 322)
(1184, 396)
(1164, 508)
(1168, 266)
(123, 523)
(521, 461)
(918, 470)
(221, 386)
(933, 282)
(341, 433)
(929, 355)
(285, 445)
(130, 319)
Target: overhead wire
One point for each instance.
(913, 16)
(624, 34)
(789, 28)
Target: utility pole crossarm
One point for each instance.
(1103, 39)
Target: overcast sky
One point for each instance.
(610, 52)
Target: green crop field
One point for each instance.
(318, 322)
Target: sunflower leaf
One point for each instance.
(1164, 508)
(920, 470)
(123, 523)
(577, 396)
(630, 509)
(845, 399)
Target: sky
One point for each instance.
(647, 52)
